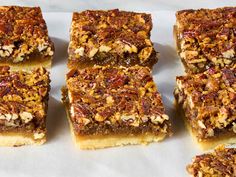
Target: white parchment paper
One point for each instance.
(59, 157)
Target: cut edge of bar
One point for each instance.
(209, 144)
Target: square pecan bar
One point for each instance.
(113, 37)
(24, 40)
(23, 106)
(208, 101)
(220, 163)
(206, 38)
(114, 106)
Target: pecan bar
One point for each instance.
(111, 37)
(208, 101)
(23, 106)
(114, 106)
(206, 38)
(24, 38)
(220, 163)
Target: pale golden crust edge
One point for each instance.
(93, 142)
(20, 139)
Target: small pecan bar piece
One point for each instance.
(220, 163)
(111, 37)
(206, 38)
(24, 38)
(114, 106)
(208, 101)
(23, 106)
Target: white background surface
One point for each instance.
(58, 157)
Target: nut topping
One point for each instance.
(145, 53)
(80, 51)
(220, 162)
(113, 37)
(23, 33)
(26, 116)
(104, 48)
(23, 99)
(206, 37)
(93, 52)
(116, 100)
(208, 101)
